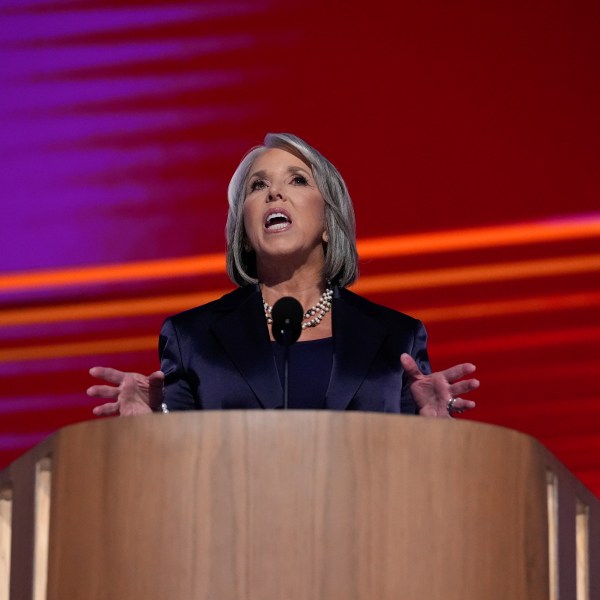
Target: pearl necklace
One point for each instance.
(315, 314)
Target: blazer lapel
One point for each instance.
(357, 339)
(243, 333)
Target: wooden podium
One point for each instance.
(297, 505)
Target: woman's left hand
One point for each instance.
(438, 394)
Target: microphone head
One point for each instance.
(287, 315)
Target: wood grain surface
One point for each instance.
(302, 505)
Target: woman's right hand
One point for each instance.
(131, 394)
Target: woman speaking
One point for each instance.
(290, 232)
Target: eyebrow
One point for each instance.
(291, 169)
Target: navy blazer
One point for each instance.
(219, 355)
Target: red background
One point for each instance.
(467, 131)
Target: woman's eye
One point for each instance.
(257, 184)
(299, 180)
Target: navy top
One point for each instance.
(309, 372)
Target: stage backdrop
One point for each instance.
(468, 133)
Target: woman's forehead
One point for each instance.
(279, 157)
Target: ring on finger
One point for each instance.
(450, 407)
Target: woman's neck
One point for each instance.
(305, 282)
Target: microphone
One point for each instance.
(287, 315)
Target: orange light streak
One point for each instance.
(107, 309)
(485, 273)
(481, 237)
(72, 349)
(372, 284)
(188, 266)
(506, 307)
(429, 315)
(373, 248)
(520, 341)
(150, 343)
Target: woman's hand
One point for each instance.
(437, 395)
(133, 394)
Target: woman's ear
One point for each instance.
(325, 237)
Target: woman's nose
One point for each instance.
(274, 193)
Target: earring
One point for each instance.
(326, 237)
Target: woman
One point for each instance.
(290, 232)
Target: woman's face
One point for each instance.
(284, 211)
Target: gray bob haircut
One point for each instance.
(341, 257)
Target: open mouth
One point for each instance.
(277, 220)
